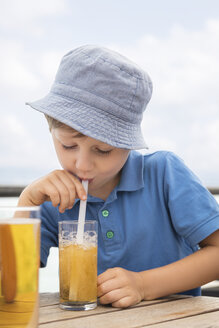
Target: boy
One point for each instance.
(158, 226)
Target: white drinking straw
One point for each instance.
(81, 217)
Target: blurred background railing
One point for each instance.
(15, 191)
(11, 191)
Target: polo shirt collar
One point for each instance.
(132, 177)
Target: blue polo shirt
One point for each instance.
(157, 214)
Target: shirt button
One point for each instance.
(105, 213)
(110, 234)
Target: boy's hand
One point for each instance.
(120, 287)
(60, 187)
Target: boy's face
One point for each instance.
(89, 159)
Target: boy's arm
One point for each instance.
(193, 271)
(123, 288)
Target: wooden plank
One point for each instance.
(50, 310)
(51, 313)
(138, 316)
(49, 299)
(207, 320)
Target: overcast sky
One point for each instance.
(176, 42)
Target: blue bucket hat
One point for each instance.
(101, 94)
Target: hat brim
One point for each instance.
(91, 121)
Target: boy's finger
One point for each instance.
(113, 296)
(60, 187)
(107, 286)
(123, 302)
(70, 188)
(80, 191)
(108, 274)
(51, 192)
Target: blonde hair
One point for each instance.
(54, 124)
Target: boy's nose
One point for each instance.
(83, 163)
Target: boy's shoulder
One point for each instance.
(159, 158)
(159, 155)
(158, 161)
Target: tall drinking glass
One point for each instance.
(78, 266)
(19, 266)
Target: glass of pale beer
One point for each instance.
(19, 266)
(78, 266)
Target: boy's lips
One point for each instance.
(83, 179)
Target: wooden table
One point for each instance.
(174, 311)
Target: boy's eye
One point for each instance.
(97, 150)
(103, 152)
(68, 147)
